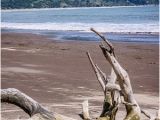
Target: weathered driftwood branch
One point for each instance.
(96, 72)
(104, 39)
(146, 114)
(30, 106)
(85, 110)
(150, 116)
(25, 102)
(102, 73)
(111, 50)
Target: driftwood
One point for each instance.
(85, 110)
(30, 106)
(110, 105)
(25, 102)
(133, 109)
(125, 93)
(117, 90)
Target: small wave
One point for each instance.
(102, 27)
(71, 8)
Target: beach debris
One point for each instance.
(117, 88)
(117, 93)
(30, 106)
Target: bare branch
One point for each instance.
(105, 40)
(25, 102)
(146, 113)
(30, 106)
(150, 116)
(96, 72)
(102, 73)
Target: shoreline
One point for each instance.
(83, 31)
(64, 36)
(37, 9)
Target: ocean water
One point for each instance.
(75, 23)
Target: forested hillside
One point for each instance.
(15, 4)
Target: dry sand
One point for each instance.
(59, 76)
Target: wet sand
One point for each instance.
(59, 76)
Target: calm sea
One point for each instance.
(75, 23)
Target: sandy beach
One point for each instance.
(59, 76)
